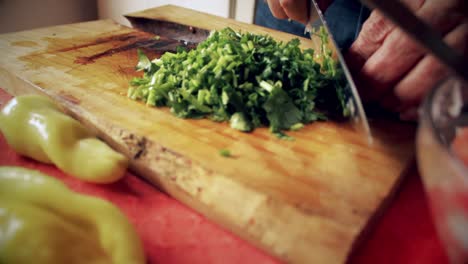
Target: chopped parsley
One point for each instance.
(246, 79)
(225, 153)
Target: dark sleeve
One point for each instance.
(344, 18)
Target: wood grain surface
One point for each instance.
(304, 201)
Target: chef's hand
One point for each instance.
(392, 69)
(294, 9)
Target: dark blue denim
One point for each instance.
(344, 18)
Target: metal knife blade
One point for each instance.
(169, 29)
(358, 115)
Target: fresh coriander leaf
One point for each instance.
(240, 122)
(297, 126)
(225, 153)
(143, 61)
(281, 112)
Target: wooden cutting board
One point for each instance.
(304, 201)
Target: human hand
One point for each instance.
(392, 69)
(294, 9)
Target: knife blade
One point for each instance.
(399, 14)
(358, 115)
(188, 34)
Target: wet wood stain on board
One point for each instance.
(152, 47)
(82, 55)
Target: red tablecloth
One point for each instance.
(173, 233)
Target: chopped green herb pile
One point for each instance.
(249, 80)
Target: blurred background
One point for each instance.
(16, 15)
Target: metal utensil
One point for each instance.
(358, 115)
(168, 29)
(399, 14)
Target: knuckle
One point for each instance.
(287, 4)
(375, 29)
(376, 70)
(414, 86)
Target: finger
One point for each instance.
(372, 35)
(373, 32)
(410, 114)
(393, 59)
(276, 9)
(399, 53)
(411, 89)
(296, 9)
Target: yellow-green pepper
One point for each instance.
(35, 127)
(42, 221)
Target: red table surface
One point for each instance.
(174, 233)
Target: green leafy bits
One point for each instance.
(247, 79)
(225, 153)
